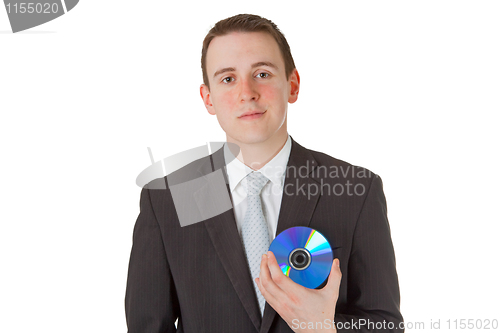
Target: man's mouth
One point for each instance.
(252, 114)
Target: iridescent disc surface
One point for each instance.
(314, 242)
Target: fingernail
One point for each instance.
(337, 261)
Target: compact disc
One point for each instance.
(304, 255)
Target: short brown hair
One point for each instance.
(247, 23)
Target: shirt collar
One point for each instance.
(274, 170)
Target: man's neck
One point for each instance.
(256, 155)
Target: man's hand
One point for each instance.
(298, 305)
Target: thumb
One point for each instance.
(335, 275)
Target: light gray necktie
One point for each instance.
(254, 230)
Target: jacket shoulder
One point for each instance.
(186, 173)
(325, 160)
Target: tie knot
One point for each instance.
(256, 182)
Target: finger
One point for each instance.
(263, 275)
(283, 281)
(267, 282)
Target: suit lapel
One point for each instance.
(227, 243)
(298, 201)
(297, 204)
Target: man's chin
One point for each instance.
(249, 138)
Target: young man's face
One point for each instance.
(246, 73)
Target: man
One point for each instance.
(204, 274)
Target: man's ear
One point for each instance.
(205, 96)
(294, 82)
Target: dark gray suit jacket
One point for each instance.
(198, 273)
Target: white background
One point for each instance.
(409, 90)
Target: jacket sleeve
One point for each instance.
(151, 304)
(372, 286)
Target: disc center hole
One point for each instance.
(300, 259)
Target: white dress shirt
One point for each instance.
(272, 192)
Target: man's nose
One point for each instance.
(248, 90)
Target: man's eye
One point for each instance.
(263, 75)
(227, 79)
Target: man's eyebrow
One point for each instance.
(264, 63)
(257, 64)
(227, 69)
